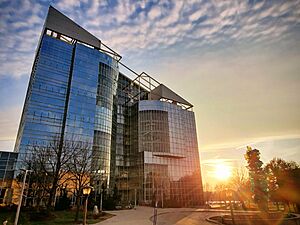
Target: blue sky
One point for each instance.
(236, 61)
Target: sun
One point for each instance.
(222, 172)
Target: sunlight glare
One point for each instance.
(222, 172)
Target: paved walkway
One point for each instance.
(170, 216)
(186, 218)
(140, 216)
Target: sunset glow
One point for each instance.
(237, 62)
(222, 172)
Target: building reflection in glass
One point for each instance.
(143, 141)
(169, 159)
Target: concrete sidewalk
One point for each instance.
(168, 216)
(142, 215)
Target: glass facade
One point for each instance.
(44, 109)
(142, 148)
(169, 159)
(7, 167)
(103, 134)
(70, 98)
(120, 171)
(125, 160)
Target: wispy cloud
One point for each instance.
(9, 120)
(269, 138)
(216, 161)
(139, 26)
(282, 146)
(286, 147)
(242, 144)
(136, 28)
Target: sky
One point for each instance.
(237, 61)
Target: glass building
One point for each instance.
(141, 134)
(7, 167)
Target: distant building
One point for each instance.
(142, 134)
(7, 167)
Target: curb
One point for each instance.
(213, 221)
(195, 211)
(296, 219)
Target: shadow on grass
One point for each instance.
(51, 218)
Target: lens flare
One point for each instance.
(222, 172)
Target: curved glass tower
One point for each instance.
(169, 158)
(104, 120)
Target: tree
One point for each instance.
(239, 178)
(283, 181)
(207, 193)
(257, 178)
(79, 169)
(50, 165)
(38, 182)
(240, 183)
(45, 163)
(220, 192)
(64, 201)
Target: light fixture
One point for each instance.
(87, 190)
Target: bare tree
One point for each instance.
(207, 193)
(239, 178)
(41, 160)
(240, 183)
(79, 170)
(38, 182)
(219, 191)
(51, 165)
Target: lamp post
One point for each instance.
(21, 197)
(55, 196)
(162, 192)
(101, 189)
(135, 198)
(86, 192)
(101, 194)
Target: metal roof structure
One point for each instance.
(59, 23)
(60, 26)
(164, 92)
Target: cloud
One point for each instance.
(20, 30)
(258, 5)
(9, 120)
(202, 11)
(270, 138)
(68, 4)
(242, 144)
(135, 27)
(173, 15)
(216, 161)
(232, 154)
(154, 13)
(139, 28)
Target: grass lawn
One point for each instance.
(56, 217)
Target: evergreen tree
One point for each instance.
(257, 177)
